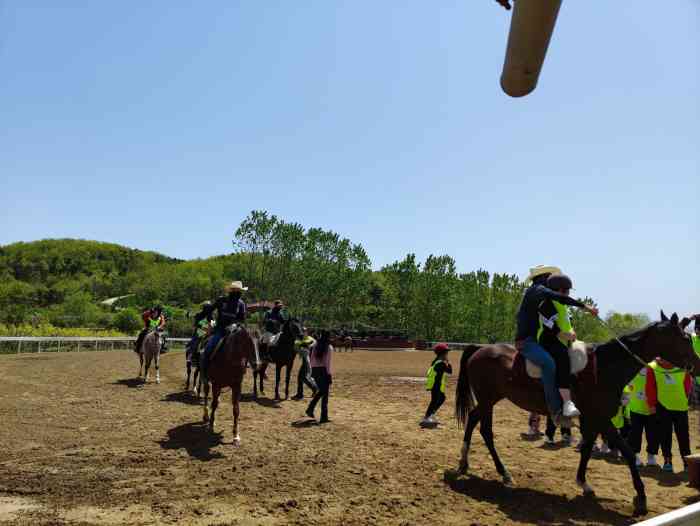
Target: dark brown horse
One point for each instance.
(282, 354)
(492, 373)
(226, 369)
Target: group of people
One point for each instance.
(215, 318)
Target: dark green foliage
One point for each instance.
(127, 320)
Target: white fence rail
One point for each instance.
(688, 516)
(32, 344)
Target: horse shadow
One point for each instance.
(265, 402)
(529, 505)
(130, 382)
(196, 439)
(183, 397)
(662, 477)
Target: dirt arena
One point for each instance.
(85, 443)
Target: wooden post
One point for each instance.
(531, 29)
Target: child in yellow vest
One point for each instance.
(436, 382)
(696, 347)
(641, 420)
(667, 390)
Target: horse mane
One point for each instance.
(610, 350)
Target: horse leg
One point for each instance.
(146, 367)
(235, 402)
(195, 385)
(278, 371)
(474, 418)
(157, 360)
(589, 434)
(613, 438)
(486, 430)
(255, 385)
(288, 372)
(216, 391)
(205, 385)
(189, 372)
(140, 364)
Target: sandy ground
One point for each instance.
(83, 442)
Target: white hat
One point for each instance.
(542, 269)
(235, 285)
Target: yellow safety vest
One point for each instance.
(670, 387)
(638, 396)
(563, 321)
(431, 375)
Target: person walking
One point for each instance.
(436, 382)
(303, 348)
(320, 358)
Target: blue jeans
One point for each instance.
(204, 359)
(534, 352)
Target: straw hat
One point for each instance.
(235, 285)
(542, 269)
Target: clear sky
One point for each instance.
(160, 125)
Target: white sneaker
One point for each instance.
(651, 461)
(433, 419)
(570, 410)
(532, 433)
(604, 449)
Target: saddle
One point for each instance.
(230, 331)
(583, 364)
(270, 339)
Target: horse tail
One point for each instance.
(465, 400)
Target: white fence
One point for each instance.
(688, 516)
(32, 344)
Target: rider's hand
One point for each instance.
(504, 3)
(593, 310)
(568, 336)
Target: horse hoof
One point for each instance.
(237, 442)
(640, 506)
(508, 480)
(451, 475)
(587, 489)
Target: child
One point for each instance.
(435, 382)
(667, 390)
(641, 419)
(303, 347)
(533, 426)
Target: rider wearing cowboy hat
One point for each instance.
(229, 309)
(528, 323)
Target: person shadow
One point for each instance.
(528, 505)
(304, 422)
(130, 382)
(265, 402)
(663, 477)
(196, 439)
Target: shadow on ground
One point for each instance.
(534, 506)
(129, 382)
(196, 439)
(183, 397)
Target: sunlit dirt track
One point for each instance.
(83, 442)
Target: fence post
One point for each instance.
(39, 346)
(19, 347)
(59, 346)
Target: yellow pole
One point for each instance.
(530, 31)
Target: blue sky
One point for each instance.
(160, 125)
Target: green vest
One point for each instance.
(696, 347)
(431, 375)
(153, 324)
(638, 397)
(563, 321)
(670, 387)
(305, 342)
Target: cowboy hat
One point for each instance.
(235, 285)
(542, 269)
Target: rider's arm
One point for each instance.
(561, 298)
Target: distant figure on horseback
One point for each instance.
(152, 319)
(272, 324)
(202, 327)
(229, 310)
(528, 324)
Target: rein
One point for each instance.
(633, 355)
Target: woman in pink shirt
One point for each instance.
(322, 373)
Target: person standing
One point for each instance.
(320, 358)
(303, 348)
(436, 382)
(641, 420)
(667, 390)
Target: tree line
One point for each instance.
(325, 279)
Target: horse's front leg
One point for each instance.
(146, 368)
(278, 371)
(157, 367)
(589, 434)
(617, 442)
(195, 380)
(205, 385)
(140, 365)
(216, 391)
(235, 403)
(189, 372)
(288, 372)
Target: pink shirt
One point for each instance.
(325, 361)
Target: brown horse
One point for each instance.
(226, 369)
(495, 372)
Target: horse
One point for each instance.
(490, 373)
(150, 350)
(192, 355)
(226, 369)
(282, 354)
(343, 344)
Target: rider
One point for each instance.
(152, 319)
(229, 309)
(528, 324)
(273, 321)
(202, 321)
(555, 335)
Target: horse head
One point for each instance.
(670, 341)
(248, 339)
